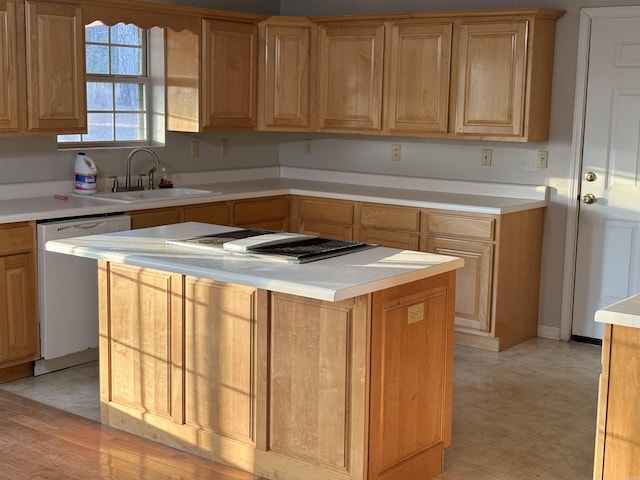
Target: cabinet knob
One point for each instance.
(590, 176)
(589, 198)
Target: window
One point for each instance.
(117, 87)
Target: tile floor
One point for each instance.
(525, 413)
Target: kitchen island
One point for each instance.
(335, 369)
(617, 453)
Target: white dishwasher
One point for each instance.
(68, 293)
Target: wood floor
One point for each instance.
(38, 442)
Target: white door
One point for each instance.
(607, 258)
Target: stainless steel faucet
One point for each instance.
(127, 184)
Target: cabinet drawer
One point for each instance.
(261, 210)
(468, 227)
(216, 213)
(17, 238)
(325, 211)
(328, 230)
(407, 219)
(385, 238)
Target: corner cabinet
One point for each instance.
(42, 68)
(212, 73)
(19, 338)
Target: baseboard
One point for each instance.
(47, 366)
(549, 332)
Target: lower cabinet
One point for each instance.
(280, 385)
(155, 217)
(497, 291)
(473, 281)
(19, 338)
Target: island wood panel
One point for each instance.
(220, 358)
(617, 453)
(411, 337)
(317, 381)
(141, 323)
(279, 386)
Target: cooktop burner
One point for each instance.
(291, 248)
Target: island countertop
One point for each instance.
(625, 313)
(331, 279)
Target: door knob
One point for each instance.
(589, 198)
(590, 176)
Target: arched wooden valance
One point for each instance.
(146, 14)
(141, 14)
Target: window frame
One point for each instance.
(143, 79)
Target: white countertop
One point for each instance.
(625, 313)
(332, 279)
(489, 198)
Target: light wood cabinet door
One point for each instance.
(267, 213)
(216, 213)
(323, 217)
(473, 281)
(229, 74)
(492, 60)
(55, 68)
(417, 78)
(19, 339)
(286, 78)
(10, 63)
(155, 217)
(350, 77)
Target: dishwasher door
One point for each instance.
(68, 294)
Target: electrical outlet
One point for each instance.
(543, 159)
(485, 160)
(395, 153)
(224, 147)
(195, 148)
(307, 146)
(415, 313)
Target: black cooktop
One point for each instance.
(303, 250)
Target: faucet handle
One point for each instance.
(115, 185)
(140, 177)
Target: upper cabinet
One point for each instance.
(483, 75)
(504, 71)
(229, 74)
(9, 99)
(55, 68)
(350, 73)
(287, 74)
(212, 73)
(42, 68)
(417, 77)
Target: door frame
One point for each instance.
(575, 180)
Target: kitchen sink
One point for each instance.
(136, 196)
